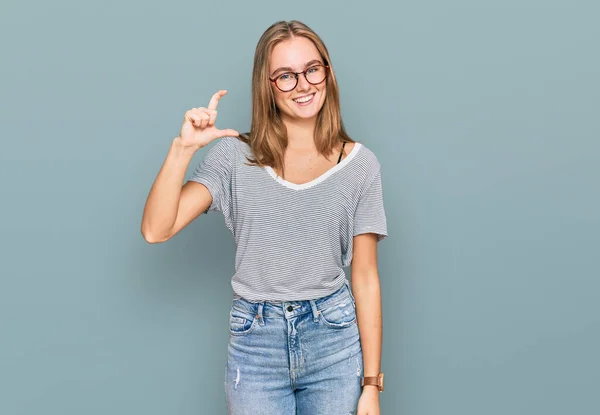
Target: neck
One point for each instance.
(300, 133)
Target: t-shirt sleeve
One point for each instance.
(214, 171)
(369, 216)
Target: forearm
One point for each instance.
(160, 211)
(367, 292)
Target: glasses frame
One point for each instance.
(297, 75)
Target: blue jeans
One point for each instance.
(298, 357)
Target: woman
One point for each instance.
(302, 200)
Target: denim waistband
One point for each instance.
(291, 309)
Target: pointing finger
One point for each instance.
(214, 101)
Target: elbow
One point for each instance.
(367, 276)
(152, 238)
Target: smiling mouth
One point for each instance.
(305, 99)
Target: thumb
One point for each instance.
(227, 132)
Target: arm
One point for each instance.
(367, 293)
(171, 206)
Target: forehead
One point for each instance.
(294, 53)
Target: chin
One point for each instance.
(307, 116)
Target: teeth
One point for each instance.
(305, 99)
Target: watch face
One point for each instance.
(381, 382)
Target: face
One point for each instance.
(296, 55)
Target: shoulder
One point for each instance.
(366, 153)
(365, 160)
(237, 144)
(227, 142)
(229, 147)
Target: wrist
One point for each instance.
(182, 150)
(371, 390)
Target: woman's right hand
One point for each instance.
(198, 127)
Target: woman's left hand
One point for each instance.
(368, 404)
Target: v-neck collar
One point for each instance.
(301, 186)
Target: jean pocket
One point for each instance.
(340, 315)
(240, 322)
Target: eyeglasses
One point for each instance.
(314, 75)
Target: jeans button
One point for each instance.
(290, 308)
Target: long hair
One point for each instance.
(268, 136)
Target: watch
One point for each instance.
(373, 380)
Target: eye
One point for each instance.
(313, 69)
(286, 76)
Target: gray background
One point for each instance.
(484, 116)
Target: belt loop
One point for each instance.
(313, 305)
(259, 314)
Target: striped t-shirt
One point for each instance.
(292, 240)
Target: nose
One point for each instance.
(303, 84)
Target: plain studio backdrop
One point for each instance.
(483, 114)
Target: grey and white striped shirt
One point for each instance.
(292, 240)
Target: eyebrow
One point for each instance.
(288, 69)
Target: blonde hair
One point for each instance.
(268, 137)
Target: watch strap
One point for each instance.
(373, 380)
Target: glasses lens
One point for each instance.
(316, 74)
(286, 81)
